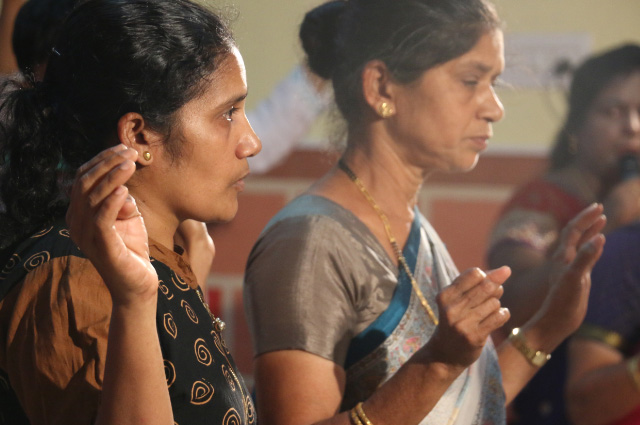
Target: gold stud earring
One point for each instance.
(146, 155)
(385, 110)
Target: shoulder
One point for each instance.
(313, 221)
(37, 253)
(544, 195)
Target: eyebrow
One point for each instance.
(235, 99)
(477, 65)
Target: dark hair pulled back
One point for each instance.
(589, 80)
(112, 57)
(409, 36)
(35, 30)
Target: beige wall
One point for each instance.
(266, 31)
(267, 34)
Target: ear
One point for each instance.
(134, 134)
(378, 88)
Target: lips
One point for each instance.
(239, 184)
(480, 142)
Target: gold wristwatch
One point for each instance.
(536, 358)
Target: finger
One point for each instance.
(576, 227)
(490, 287)
(595, 228)
(107, 214)
(101, 156)
(499, 275)
(116, 177)
(465, 281)
(495, 320)
(587, 255)
(90, 176)
(484, 309)
(129, 209)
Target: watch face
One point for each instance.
(539, 359)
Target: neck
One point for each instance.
(160, 224)
(580, 182)
(392, 183)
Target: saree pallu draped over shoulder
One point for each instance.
(477, 396)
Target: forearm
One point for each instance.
(283, 399)
(516, 369)
(135, 388)
(409, 396)
(603, 395)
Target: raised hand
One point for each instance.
(469, 311)
(105, 223)
(579, 248)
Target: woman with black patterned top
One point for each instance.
(101, 317)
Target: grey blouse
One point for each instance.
(315, 278)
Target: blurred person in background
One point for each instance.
(603, 384)
(594, 159)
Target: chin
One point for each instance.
(464, 166)
(226, 215)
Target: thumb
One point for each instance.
(129, 209)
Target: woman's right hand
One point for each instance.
(469, 311)
(106, 225)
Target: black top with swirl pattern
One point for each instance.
(204, 385)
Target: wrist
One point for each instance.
(135, 302)
(536, 357)
(436, 368)
(545, 331)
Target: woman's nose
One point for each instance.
(632, 121)
(249, 144)
(493, 110)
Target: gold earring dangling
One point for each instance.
(385, 110)
(146, 155)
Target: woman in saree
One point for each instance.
(357, 312)
(138, 126)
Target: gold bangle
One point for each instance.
(632, 368)
(354, 417)
(363, 417)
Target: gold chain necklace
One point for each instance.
(392, 240)
(218, 324)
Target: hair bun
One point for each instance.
(318, 34)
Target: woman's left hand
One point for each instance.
(580, 246)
